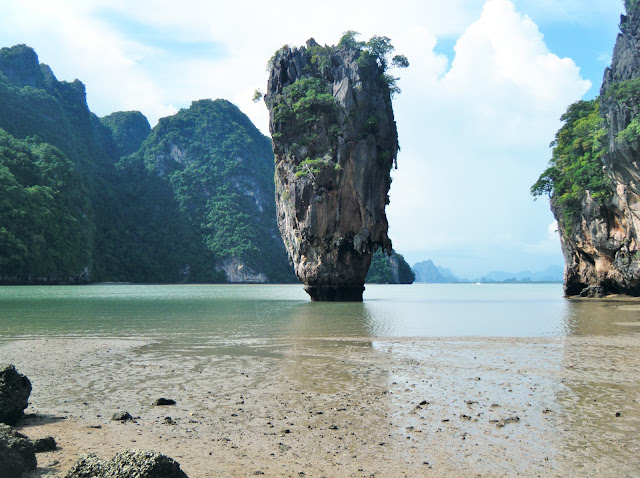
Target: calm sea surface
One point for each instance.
(210, 313)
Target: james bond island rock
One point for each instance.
(593, 178)
(15, 389)
(335, 141)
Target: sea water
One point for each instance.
(205, 313)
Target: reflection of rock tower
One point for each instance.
(335, 141)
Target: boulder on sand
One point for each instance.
(14, 394)
(127, 464)
(17, 455)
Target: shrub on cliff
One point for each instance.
(576, 163)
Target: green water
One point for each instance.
(209, 313)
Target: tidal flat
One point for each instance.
(268, 383)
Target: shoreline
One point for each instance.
(342, 406)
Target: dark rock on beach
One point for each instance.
(88, 466)
(164, 401)
(14, 394)
(44, 444)
(127, 464)
(121, 417)
(17, 454)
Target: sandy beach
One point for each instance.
(343, 407)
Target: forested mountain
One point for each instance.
(85, 199)
(220, 170)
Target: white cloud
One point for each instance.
(476, 139)
(547, 245)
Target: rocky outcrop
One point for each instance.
(238, 272)
(600, 244)
(335, 141)
(131, 463)
(17, 454)
(15, 389)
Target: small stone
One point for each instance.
(121, 417)
(163, 402)
(45, 444)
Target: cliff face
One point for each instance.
(220, 170)
(600, 244)
(193, 203)
(335, 141)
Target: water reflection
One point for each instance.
(602, 317)
(598, 397)
(330, 347)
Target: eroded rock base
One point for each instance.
(335, 293)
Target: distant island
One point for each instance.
(428, 272)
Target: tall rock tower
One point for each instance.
(335, 141)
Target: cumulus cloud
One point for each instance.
(477, 139)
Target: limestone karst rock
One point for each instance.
(15, 389)
(127, 464)
(17, 454)
(600, 240)
(335, 141)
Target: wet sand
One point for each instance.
(356, 407)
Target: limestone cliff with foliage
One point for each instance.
(594, 177)
(335, 142)
(87, 199)
(220, 170)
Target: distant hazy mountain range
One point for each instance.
(427, 271)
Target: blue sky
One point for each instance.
(481, 100)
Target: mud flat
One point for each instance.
(567, 406)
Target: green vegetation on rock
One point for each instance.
(376, 53)
(81, 200)
(220, 169)
(304, 99)
(129, 129)
(391, 269)
(44, 228)
(624, 91)
(576, 163)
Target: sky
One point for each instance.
(480, 103)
